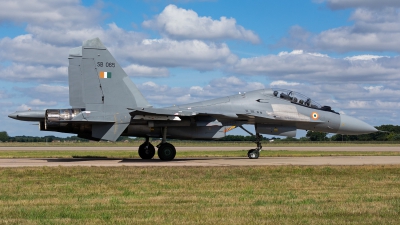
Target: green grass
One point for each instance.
(181, 154)
(201, 195)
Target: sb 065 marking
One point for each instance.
(110, 64)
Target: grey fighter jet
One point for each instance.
(107, 104)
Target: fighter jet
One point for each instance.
(106, 104)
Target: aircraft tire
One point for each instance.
(253, 154)
(166, 152)
(146, 151)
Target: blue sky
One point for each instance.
(342, 53)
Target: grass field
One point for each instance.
(182, 154)
(206, 195)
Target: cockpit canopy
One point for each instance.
(299, 99)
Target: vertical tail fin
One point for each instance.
(98, 82)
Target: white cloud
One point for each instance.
(319, 68)
(169, 53)
(44, 50)
(373, 105)
(343, 4)
(53, 90)
(180, 23)
(61, 14)
(26, 49)
(374, 29)
(302, 52)
(373, 88)
(363, 57)
(354, 104)
(21, 72)
(283, 83)
(163, 95)
(23, 107)
(112, 35)
(45, 94)
(38, 102)
(284, 65)
(135, 70)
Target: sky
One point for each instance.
(341, 53)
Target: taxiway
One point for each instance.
(206, 161)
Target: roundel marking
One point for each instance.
(314, 116)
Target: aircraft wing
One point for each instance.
(176, 114)
(164, 112)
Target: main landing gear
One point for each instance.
(146, 150)
(166, 151)
(254, 153)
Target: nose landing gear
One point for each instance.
(255, 153)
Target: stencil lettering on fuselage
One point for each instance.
(288, 112)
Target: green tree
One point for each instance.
(4, 136)
(316, 136)
(290, 139)
(340, 137)
(391, 133)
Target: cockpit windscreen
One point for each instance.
(299, 99)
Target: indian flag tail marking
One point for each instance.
(105, 74)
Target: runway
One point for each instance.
(206, 161)
(215, 161)
(206, 148)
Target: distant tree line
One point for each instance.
(390, 133)
(239, 138)
(5, 138)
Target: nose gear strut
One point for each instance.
(254, 153)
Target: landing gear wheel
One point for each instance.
(253, 154)
(166, 152)
(146, 151)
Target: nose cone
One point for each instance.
(352, 126)
(13, 115)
